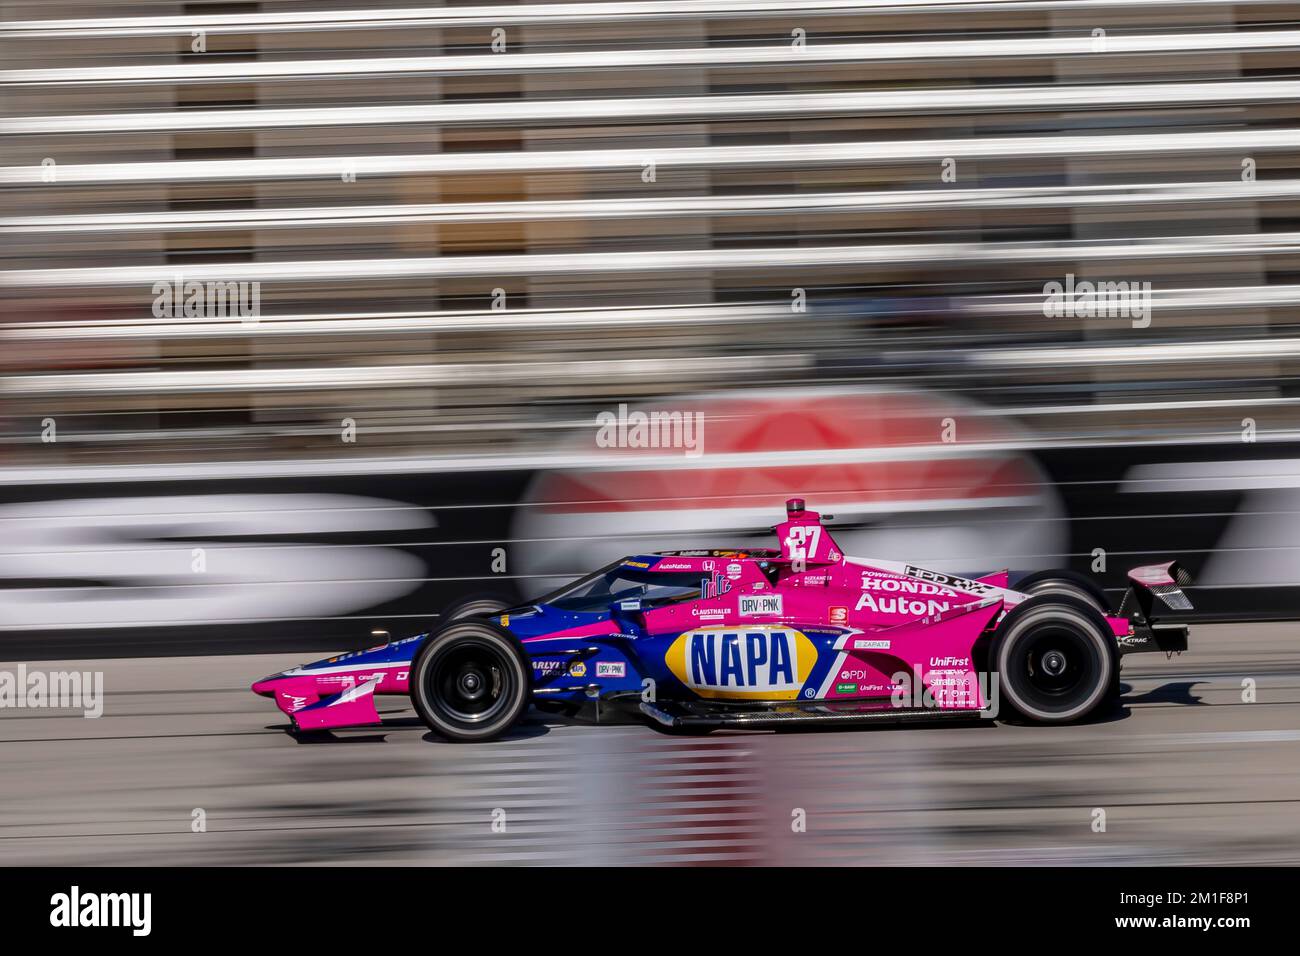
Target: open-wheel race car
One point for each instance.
(707, 639)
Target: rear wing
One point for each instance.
(1155, 588)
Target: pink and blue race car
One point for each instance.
(699, 640)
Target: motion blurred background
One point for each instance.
(459, 233)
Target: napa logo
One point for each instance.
(769, 663)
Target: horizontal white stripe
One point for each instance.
(1162, 299)
(380, 323)
(342, 669)
(783, 155)
(552, 13)
(679, 108)
(320, 467)
(393, 376)
(674, 261)
(1221, 350)
(783, 55)
(1213, 476)
(1285, 735)
(660, 207)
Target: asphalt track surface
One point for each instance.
(1186, 773)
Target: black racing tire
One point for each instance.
(481, 605)
(1065, 584)
(471, 681)
(1056, 660)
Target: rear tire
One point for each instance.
(471, 681)
(1065, 584)
(1056, 660)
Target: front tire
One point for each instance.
(1056, 660)
(478, 606)
(471, 681)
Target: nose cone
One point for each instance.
(267, 685)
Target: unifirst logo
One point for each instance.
(765, 663)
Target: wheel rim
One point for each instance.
(1058, 666)
(1055, 662)
(473, 682)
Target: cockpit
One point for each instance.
(624, 581)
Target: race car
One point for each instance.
(693, 641)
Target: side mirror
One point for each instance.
(628, 614)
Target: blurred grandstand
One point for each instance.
(474, 227)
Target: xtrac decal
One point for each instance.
(759, 663)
